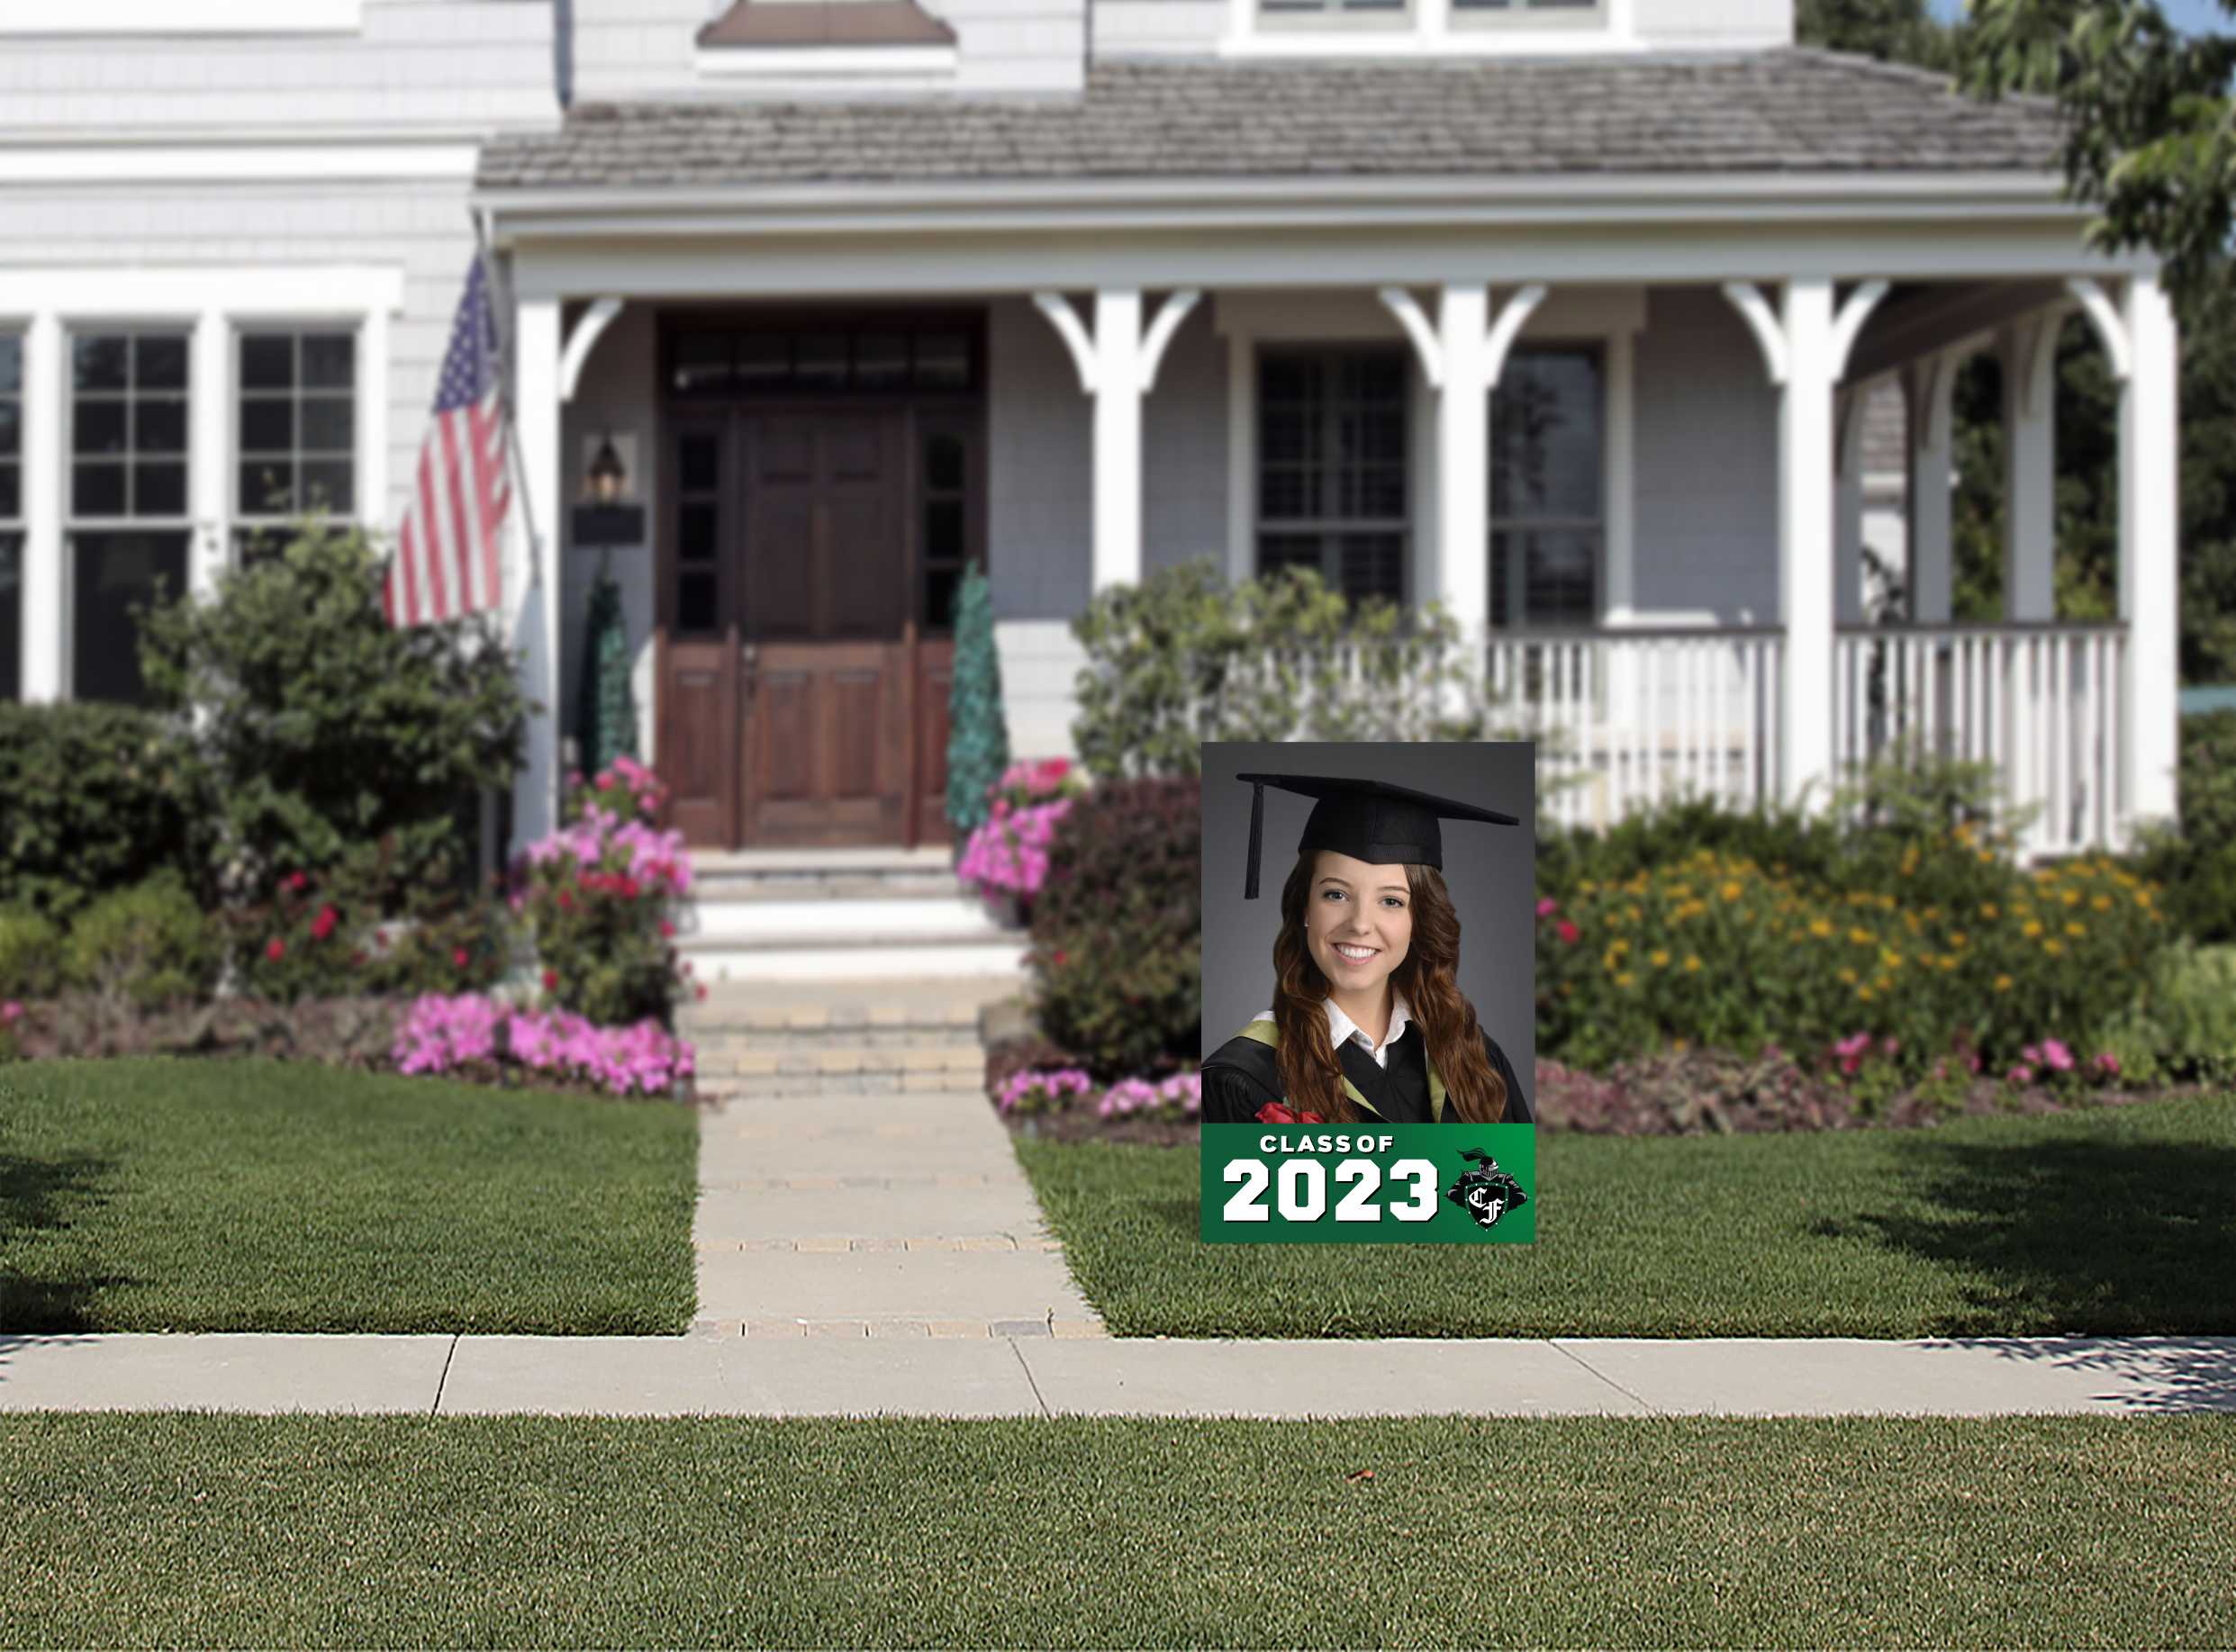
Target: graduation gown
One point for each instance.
(1240, 1076)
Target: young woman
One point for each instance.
(1367, 1021)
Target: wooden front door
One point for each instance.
(826, 627)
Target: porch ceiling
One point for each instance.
(1787, 111)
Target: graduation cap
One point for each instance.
(1368, 820)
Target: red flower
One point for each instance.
(461, 958)
(1277, 1113)
(380, 939)
(628, 889)
(1568, 931)
(667, 929)
(323, 924)
(551, 980)
(276, 949)
(1062, 958)
(605, 783)
(298, 882)
(567, 901)
(702, 992)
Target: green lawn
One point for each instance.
(2113, 1220)
(166, 1195)
(193, 1530)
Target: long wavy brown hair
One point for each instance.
(1311, 1080)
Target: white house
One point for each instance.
(1560, 311)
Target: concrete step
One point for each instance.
(770, 920)
(965, 1061)
(817, 956)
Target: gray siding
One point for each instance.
(1707, 460)
(443, 64)
(1183, 448)
(628, 49)
(1039, 469)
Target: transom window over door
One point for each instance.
(127, 522)
(1548, 527)
(1332, 481)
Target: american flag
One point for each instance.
(446, 558)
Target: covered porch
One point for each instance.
(1133, 405)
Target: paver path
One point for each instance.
(873, 1215)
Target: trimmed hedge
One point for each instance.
(95, 798)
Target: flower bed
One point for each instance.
(1006, 853)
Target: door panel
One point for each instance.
(699, 727)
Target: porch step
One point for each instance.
(838, 1038)
(826, 874)
(863, 957)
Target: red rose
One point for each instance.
(1278, 1113)
(276, 949)
(1568, 931)
(323, 924)
(460, 958)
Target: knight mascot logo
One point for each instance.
(1486, 1192)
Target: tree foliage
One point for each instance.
(1895, 30)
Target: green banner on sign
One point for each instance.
(1370, 1183)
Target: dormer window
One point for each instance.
(1487, 27)
(790, 39)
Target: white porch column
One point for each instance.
(1464, 456)
(536, 577)
(2030, 466)
(45, 656)
(1928, 385)
(207, 550)
(2149, 571)
(1805, 531)
(1117, 438)
(1848, 409)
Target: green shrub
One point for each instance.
(2197, 863)
(31, 954)
(1117, 927)
(144, 946)
(2182, 1026)
(1181, 658)
(96, 797)
(321, 728)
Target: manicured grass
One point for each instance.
(264, 1196)
(137, 1530)
(2113, 1220)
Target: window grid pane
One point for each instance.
(10, 454)
(296, 423)
(1548, 527)
(128, 425)
(1333, 486)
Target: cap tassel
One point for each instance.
(1257, 836)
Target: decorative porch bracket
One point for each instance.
(1117, 365)
(595, 321)
(2104, 317)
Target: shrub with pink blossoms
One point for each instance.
(1178, 1098)
(601, 893)
(1008, 852)
(470, 1034)
(1035, 1091)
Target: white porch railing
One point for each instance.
(1630, 719)
(2041, 702)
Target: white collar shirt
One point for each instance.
(1342, 1029)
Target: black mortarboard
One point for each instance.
(1368, 820)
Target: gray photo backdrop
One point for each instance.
(1489, 869)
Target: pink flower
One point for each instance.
(11, 1013)
(460, 958)
(2108, 1063)
(276, 949)
(1568, 931)
(2059, 1058)
(298, 882)
(1548, 907)
(605, 783)
(323, 924)
(2021, 1075)
(2031, 1054)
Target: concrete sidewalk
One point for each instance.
(1043, 1377)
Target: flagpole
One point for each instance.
(498, 316)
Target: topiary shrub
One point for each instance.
(978, 736)
(320, 728)
(1117, 929)
(605, 707)
(144, 947)
(96, 797)
(31, 954)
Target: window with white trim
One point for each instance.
(1406, 14)
(294, 431)
(1548, 515)
(10, 516)
(1332, 472)
(126, 519)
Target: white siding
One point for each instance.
(1184, 441)
(1195, 27)
(1707, 459)
(1145, 27)
(642, 50)
(1716, 23)
(415, 64)
(1039, 468)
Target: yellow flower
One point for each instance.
(1890, 958)
(2102, 903)
(1849, 976)
(1988, 911)
(1607, 959)
(1657, 958)
(1692, 961)
(2072, 898)
(2002, 983)
(1949, 961)
(1863, 937)
(2077, 929)
(1626, 979)
(1985, 855)
(1619, 945)
(2143, 897)
(2056, 949)
(1822, 927)
(1732, 890)
(2031, 928)
(1956, 937)
(1864, 993)
(1679, 1045)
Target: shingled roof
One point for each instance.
(1787, 110)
